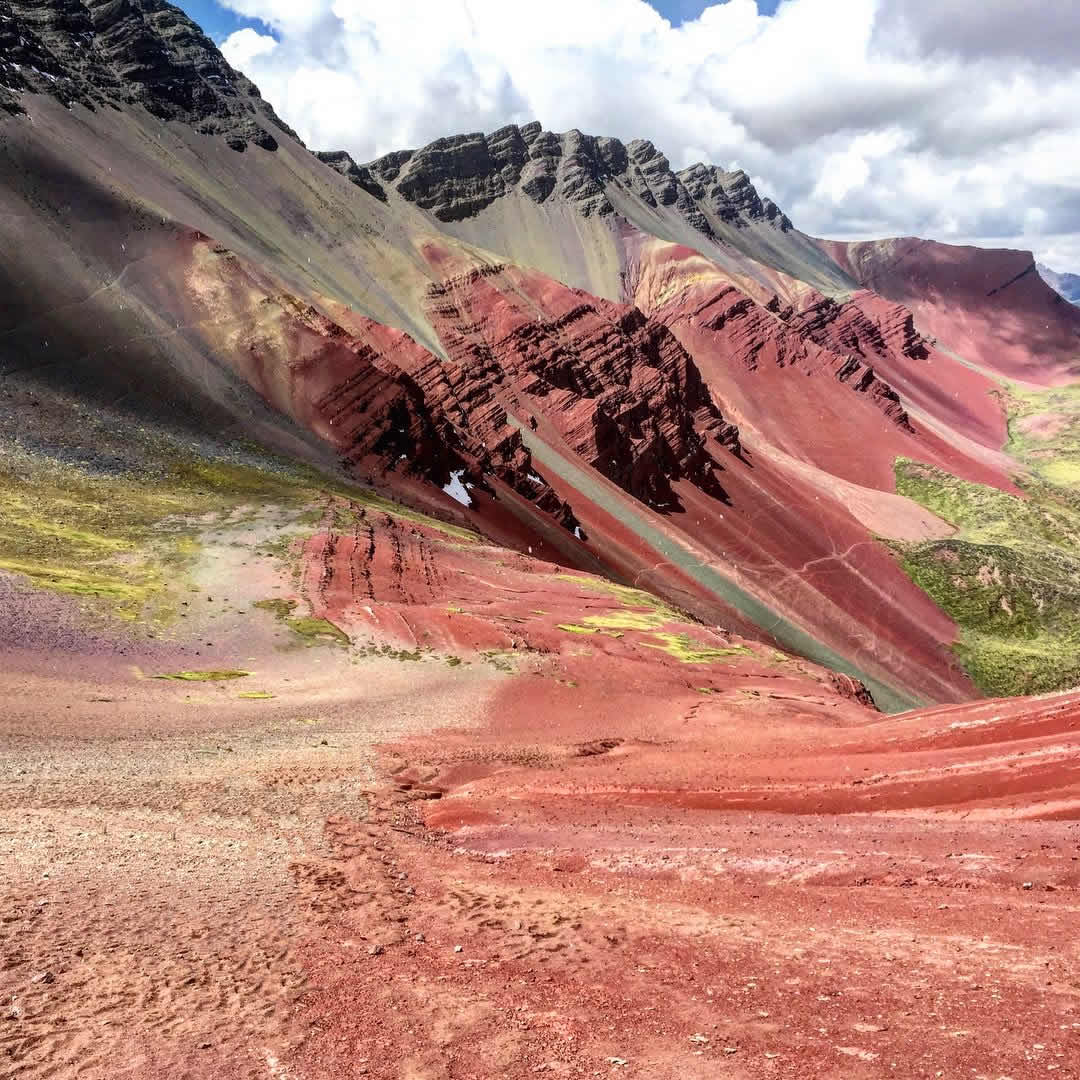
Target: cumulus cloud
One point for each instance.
(955, 119)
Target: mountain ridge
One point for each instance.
(457, 176)
(102, 53)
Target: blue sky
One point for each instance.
(219, 22)
(215, 20)
(678, 11)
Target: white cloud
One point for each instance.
(247, 44)
(860, 117)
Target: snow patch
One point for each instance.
(457, 490)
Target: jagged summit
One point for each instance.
(342, 161)
(457, 177)
(128, 52)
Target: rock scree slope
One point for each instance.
(511, 607)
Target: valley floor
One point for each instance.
(422, 871)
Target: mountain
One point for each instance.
(512, 544)
(1068, 285)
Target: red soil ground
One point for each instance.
(579, 856)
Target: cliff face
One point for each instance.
(341, 162)
(824, 337)
(615, 386)
(731, 196)
(144, 53)
(457, 177)
(389, 407)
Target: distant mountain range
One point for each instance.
(1066, 284)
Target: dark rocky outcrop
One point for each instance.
(457, 177)
(341, 162)
(731, 196)
(129, 52)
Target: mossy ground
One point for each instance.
(123, 541)
(648, 617)
(315, 631)
(281, 608)
(203, 676)
(1010, 577)
(687, 650)
(1044, 432)
(628, 597)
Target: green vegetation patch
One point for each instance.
(690, 651)
(317, 630)
(574, 628)
(1044, 432)
(203, 676)
(1010, 577)
(648, 615)
(628, 597)
(124, 540)
(256, 695)
(502, 660)
(281, 608)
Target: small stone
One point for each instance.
(459, 948)
(204, 1046)
(1028, 885)
(731, 1049)
(420, 939)
(375, 950)
(697, 1037)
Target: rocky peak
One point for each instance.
(342, 162)
(457, 177)
(731, 196)
(144, 53)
